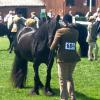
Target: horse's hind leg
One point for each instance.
(10, 41)
(19, 72)
(37, 82)
(11, 47)
(48, 90)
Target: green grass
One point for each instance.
(86, 77)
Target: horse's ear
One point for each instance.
(58, 18)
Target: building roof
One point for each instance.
(21, 3)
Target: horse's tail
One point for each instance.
(19, 72)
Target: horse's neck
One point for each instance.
(19, 27)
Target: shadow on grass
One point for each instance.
(82, 96)
(28, 87)
(79, 96)
(3, 49)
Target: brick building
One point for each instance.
(25, 6)
(63, 6)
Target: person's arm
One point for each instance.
(57, 37)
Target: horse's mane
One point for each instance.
(45, 30)
(42, 31)
(40, 39)
(41, 36)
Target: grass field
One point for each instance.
(86, 77)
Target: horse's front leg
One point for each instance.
(37, 82)
(48, 90)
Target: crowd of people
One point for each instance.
(42, 17)
(67, 56)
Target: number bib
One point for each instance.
(70, 46)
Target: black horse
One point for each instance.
(5, 31)
(33, 45)
(82, 39)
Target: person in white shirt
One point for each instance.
(49, 14)
(96, 13)
(8, 19)
(33, 16)
(7, 16)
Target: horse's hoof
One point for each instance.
(34, 92)
(20, 87)
(49, 93)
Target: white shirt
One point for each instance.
(37, 22)
(98, 19)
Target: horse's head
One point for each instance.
(53, 26)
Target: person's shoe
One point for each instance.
(95, 58)
(72, 98)
(90, 59)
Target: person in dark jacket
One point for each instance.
(67, 57)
